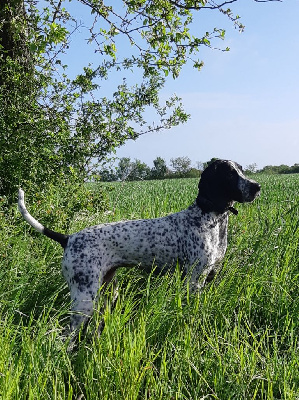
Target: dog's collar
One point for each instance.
(208, 206)
(233, 210)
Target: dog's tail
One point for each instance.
(58, 237)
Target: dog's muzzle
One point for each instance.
(248, 190)
(253, 191)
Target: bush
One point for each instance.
(56, 206)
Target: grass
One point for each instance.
(238, 339)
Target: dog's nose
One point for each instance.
(254, 189)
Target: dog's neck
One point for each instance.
(207, 205)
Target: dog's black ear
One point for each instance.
(217, 185)
(209, 173)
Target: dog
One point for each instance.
(195, 238)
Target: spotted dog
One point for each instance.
(196, 238)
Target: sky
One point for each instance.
(244, 104)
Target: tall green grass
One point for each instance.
(235, 340)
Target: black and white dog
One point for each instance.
(196, 238)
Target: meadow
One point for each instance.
(237, 339)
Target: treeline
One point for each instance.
(180, 167)
(280, 169)
(129, 170)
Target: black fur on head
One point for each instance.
(218, 187)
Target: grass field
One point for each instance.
(238, 339)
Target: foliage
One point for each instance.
(160, 169)
(237, 339)
(280, 169)
(251, 168)
(128, 170)
(181, 165)
(53, 127)
(63, 203)
(124, 168)
(140, 171)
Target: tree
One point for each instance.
(160, 168)
(200, 165)
(52, 127)
(211, 161)
(181, 165)
(294, 169)
(275, 169)
(140, 171)
(124, 168)
(128, 170)
(106, 175)
(251, 168)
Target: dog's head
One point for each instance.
(222, 183)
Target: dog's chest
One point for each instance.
(206, 242)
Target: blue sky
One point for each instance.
(244, 104)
